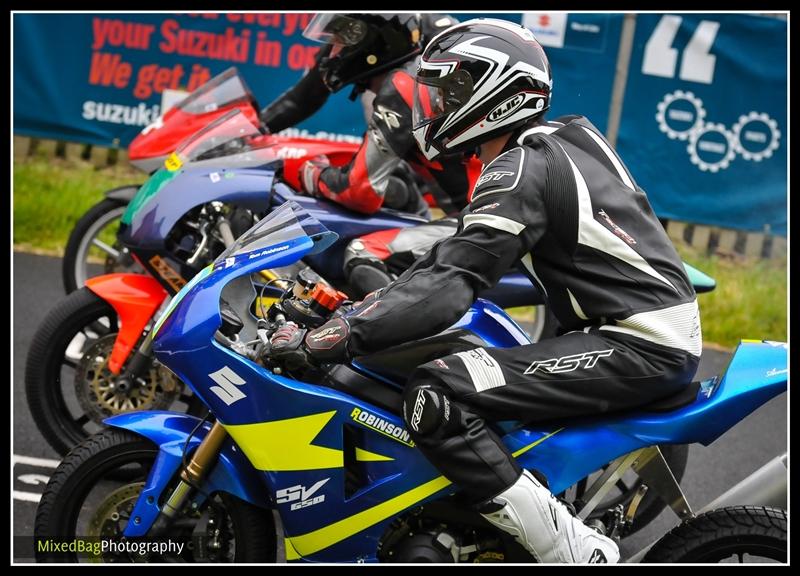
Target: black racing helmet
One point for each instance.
(358, 46)
(476, 81)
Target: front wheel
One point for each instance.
(85, 501)
(736, 534)
(68, 385)
(93, 244)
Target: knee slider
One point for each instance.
(427, 410)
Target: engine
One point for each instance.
(444, 532)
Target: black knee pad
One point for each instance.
(427, 410)
(367, 277)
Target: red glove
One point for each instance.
(310, 172)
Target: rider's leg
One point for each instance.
(374, 260)
(579, 373)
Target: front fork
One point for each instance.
(191, 476)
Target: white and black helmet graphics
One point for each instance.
(478, 80)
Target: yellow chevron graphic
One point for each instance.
(536, 443)
(367, 456)
(312, 542)
(285, 445)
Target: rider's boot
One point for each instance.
(545, 527)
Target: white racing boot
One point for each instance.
(546, 528)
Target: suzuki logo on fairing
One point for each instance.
(568, 363)
(301, 493)
(228, 381)
(506, 108)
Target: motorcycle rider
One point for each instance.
(556, 199)
(377, 55)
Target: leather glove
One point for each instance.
(286, 345)
(328, 343)
(310, 172)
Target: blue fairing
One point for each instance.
(282, 424)
(252, 188)
(168, 430)
(757, 373)
(193, 187)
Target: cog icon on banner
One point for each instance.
(769, 143)
(698, 144)
(669, 109)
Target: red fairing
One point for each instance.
(135, 298)
(162, 137)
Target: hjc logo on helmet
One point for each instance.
(509, 106)
(506, 107)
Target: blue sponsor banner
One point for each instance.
(582, 49)
(100, 78)
(704, 118)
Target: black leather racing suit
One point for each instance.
(378, 175)
(560, 204)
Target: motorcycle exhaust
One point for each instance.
(764, 487)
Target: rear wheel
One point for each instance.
(91, 494)
(92, 248)
(736, 534)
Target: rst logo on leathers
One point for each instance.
(493, 176)
(301, 496)
(568, 363)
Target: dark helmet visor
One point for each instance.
(435, 97)
(336, 29)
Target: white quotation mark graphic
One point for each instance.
(697, 65)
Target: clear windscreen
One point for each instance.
(230, 134)
(288, 222)
(220, 91)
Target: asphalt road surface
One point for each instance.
(710, 472)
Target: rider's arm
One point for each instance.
(361, 185)
(503, 222)
(297, 103)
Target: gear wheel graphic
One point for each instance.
(661, 114)
(720, 164)
(775, 133)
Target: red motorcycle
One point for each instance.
(92, 248)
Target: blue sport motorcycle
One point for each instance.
(330, 452)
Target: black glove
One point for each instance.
(328, 343)
(286, 345)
